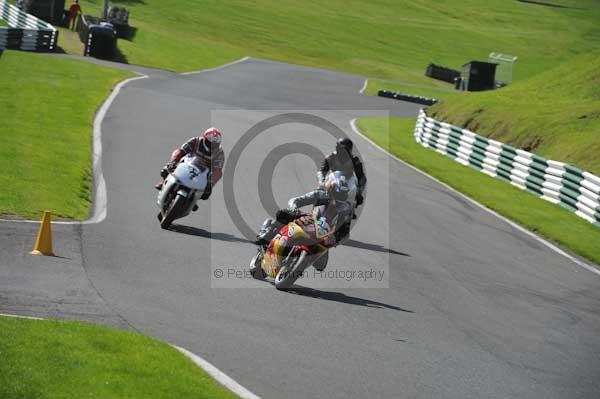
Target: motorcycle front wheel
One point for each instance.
(289, 273)
(173, 211)
(255, 270)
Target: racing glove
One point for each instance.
(164, 172)
(171, 166)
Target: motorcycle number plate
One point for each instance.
(194, 172)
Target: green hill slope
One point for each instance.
(555, 114)
(47, 107)
(392, 39)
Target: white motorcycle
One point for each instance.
(181, 190)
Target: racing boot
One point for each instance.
(267, 231)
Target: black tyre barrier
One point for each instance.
(442, 73)
(102, 42)
(83, 26)
(406, 97)
(99, 39)
(119, 18)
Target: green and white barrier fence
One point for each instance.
(25, 32)
(557, 182)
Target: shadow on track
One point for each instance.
(195, 231)
(343, 298)
(371, 247)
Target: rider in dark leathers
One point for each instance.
(343, 160)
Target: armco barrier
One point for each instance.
(557, 182)
(25, 32)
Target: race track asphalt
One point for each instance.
(470, 306)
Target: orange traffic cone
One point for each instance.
(43, 243)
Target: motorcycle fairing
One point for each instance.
(274, 255)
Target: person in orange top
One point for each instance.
(74, 10)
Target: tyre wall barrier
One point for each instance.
(25, 32)
(442, 73)
(407, 97)
(99, 39)
(119, 18)
(557, 182)
(83, 27)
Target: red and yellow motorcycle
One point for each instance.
(297, 246)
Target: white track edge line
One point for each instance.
(211, 370)
(218, 375)
(510, 222)
(217, 67)
(99, 202)
(18, 316)
(365, 85)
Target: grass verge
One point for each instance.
(542, 217)
(65, 359)
(69, 42)
(47, 107)
(555, 114)
(391, 39)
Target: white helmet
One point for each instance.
(337, 186)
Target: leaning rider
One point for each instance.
(332, 200)
(208, 148)
(343, 160)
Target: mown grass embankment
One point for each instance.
(555, 114)
(545, 218)
(391, 39)
(66, 359)
(47, 108)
